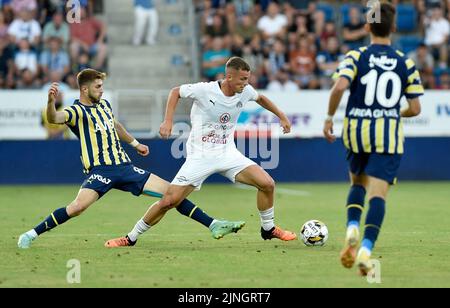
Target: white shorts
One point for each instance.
(196, 170)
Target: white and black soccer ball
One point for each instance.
(314, 233)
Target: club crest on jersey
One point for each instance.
(107, 110)
(388, 64)
(225, 118)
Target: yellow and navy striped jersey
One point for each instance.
(380, 76)
(99, 141)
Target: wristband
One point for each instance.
(134, 143)
(329, 118)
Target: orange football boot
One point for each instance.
(119, 242)
(278, 233)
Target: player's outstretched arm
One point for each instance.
(124, 135)
(413, 108)
(165, 130)
(53, 116)
(266, 103)
(335, 99)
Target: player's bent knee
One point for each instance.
(166, 204)
(268, 185)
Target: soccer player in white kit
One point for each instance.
(211, 148)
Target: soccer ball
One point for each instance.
(314, 233)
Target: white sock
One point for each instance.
(138, 229)
(212, 224)
(267, 218)
(32, 233)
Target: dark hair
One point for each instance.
(86, 76)
(238, 63)
(382, 27)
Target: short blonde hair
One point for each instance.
(87, 76)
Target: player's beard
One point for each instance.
(93, 99)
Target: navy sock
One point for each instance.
(374, 221)
(56, 218)
(187, 208)
(355, 204)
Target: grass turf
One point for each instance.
(413, 247)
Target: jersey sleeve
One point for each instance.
(253, 94)
(194, 90)
(414, 86)
(71, 115)
(348, 67)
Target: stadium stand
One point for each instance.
(239, 24)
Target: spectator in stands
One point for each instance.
(329, 31)
(146, 18)
(27, 80)
(55, 131)
(253, 57)
(282, 83)
(303, 65)
(273, 24)
(88, 36)
(246, 28)
(328, 61)
(54, 59)
(217, 28)
(425, 65)
(437, 31)
(277, 59)
(57, 27)
(25, 27)
(26, 60)
(354, 33)
(300, 26)
(214, 59)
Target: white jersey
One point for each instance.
(214, 117)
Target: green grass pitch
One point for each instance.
(413, 248)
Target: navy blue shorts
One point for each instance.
(380, 166)
(124, 177)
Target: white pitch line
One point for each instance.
(286, 191)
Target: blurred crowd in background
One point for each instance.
(39, 44)
(290, 44)
(298, 44)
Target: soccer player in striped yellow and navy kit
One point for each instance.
(378, 77)
(107, 165)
